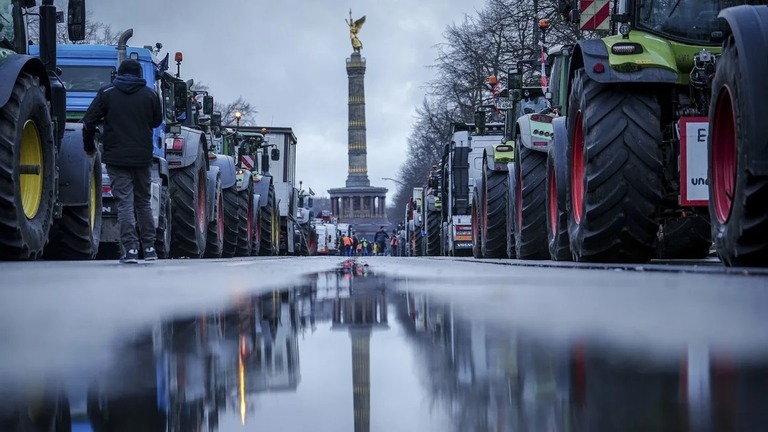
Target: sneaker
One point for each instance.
(131, 257)
(150, 254)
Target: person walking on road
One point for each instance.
(381, 239)
(130, 110)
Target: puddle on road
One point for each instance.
(345, 351)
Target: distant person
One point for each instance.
(393, 244)
(364, 247)
(381, 239)
(130, 111)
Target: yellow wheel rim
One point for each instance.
(31, 176)
(93, 200)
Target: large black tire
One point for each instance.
(267, 246)
(76, 235)
(477, 225)
(214, 242)
(511, 210)
(685, 238)
(231, 210)
(190, 213)
(736, 197)
(23, 238)
(164, 226)
(531, 197)
(417, 243)
(615, 171)
(556, 204)
(245, 225)
(256, 228)
(433, 233)
(496, 193)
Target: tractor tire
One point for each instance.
(164, 232)
(214, 243)
(736, 197)
(685, 238)
(245, 237)
(256, 232)
(189, 209)
(531, 196)
(615, 171)
(417, 243)
(433, 233)
(477, 229)
(557, 216)
(511, 210)
(266, 247)
(76, 235)
(231, 211)
(496, 193)
(26, 200)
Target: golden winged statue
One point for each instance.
(354, 29)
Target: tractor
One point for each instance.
(638, 132)
(50, 203)
(737, 150)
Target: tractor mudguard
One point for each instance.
(261, 188)
(255, 205)
(162, 168)
(749, 26)
(226, 165)
(244, 179)
(431, 204)
(75, 167)
(191, 150)
(560, 130)
(12, 65)
(488, 157)
(590, 52)
(212, 173)
(527, 127)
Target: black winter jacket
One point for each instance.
(130, 111)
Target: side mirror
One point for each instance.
(215, 118)
(548, 95)
(480, 122)
(515, 79)
(275, 154)
(76, 20)
(207, 105)
(180, 95)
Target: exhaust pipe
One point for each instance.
(122, 45)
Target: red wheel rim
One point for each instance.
(485, 208)
(519, 198)
(221, 217)
(577, 169)
(201, 219)
(552, 201)
(724, 155)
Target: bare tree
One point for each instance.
(96, 32)
(229, 109)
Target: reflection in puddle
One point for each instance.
(346, 351)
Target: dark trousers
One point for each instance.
(132, 189)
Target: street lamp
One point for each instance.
(237, 119)
(396, 181)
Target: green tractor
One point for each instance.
(638, 128)
(737, 145)
(50, 190)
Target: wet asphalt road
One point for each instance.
(387, 344)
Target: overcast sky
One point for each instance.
(288, 59)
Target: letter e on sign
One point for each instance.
(694, 190)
